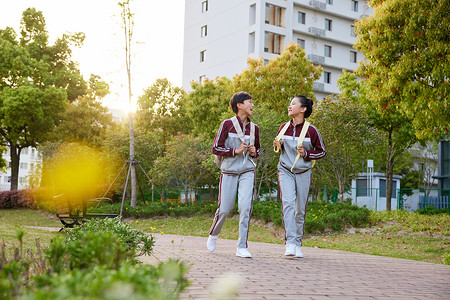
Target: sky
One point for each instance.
(157, 46)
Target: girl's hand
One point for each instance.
(241, 149)
(252, 150)
(301, 151)
(275, 143)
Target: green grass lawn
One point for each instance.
(394, 234)
(13, 220)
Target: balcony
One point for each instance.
(316, 31)
(318, 5)
(316, 59)
(320, 87)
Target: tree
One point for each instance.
(182, 165)
(407, 52)
(128, 24)
(96, 118)
(349, 140)
(383, 115)
(37, 81)
(206, 105)
(160, 111)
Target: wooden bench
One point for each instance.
(72, 213)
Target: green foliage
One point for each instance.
(164, 281)
(430, 210)
(405, 43)
(96, 118)
(131, 240)
(94, 261)
(206, 105)
(182, 164)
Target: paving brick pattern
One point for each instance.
(321, 274)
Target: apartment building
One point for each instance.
(30, 161)
(220, 35)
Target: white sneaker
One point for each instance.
(298, 251)
(211, 243)
(243, 252)
(290, 250)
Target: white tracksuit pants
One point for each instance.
(227, 196)
(294, 196)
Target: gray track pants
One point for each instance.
(294, 196)
(227, 197)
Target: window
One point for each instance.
(273, 42)
(361, 187)
(204, 6)
(202, 55)
(265, 62)
(328, 23)
(252, 16)
(24, 151)
(23, 165)
(326, 77)
(251, 42)
(204, 31)
(327, 51)
(301, 17)
(329, 2)
(352, 30)
(202, 78)
(354, 5)
(7, 179)
(301, 43)
(21, 180)
(383, 189)
(353, 56)
(274, 15)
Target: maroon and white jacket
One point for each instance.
(312, 144)
(227, 141)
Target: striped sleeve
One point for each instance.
(319, 147)
(218, 147)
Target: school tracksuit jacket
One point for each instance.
(238, 173)
(295, 184)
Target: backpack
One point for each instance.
(218, 158)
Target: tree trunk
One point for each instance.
(132, 162)
(163, 195)
(15, 162)
(389, 171)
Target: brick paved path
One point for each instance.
(322, 274)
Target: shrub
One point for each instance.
(430, 210)
(165, 281)
(134, 241)
(94, 261)
(17, 199)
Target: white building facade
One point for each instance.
(220, 35)
(29, 165)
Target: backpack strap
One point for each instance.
(280, 136)
(241, 136)
(300, 141)
(238, 129)
(252, 133)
